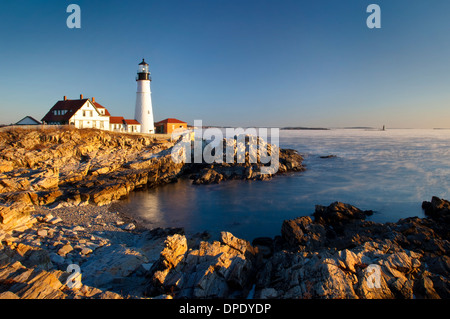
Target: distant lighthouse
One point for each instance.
(143, 112)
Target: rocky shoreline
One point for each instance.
(328, 256)
(67, 167)
(55, 193)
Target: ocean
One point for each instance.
(390, 172)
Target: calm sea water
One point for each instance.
(390, 172)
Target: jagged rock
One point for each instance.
(63, 251)
(20, 282)
(42, 233)
(291, 160)
(45, 180)
(265, 246)
(425, 287)
(173, 253)
(303, 232)
(55, 220)
(338, 213)
(268, 293)
(240, 245)
(402, 288)
(15, 215)
(30, 284)
(212, 271)
(348, 260)
(86, 251)
(293, 231)
(8, 295)
(366, 288)
(57, 259)
(112, 263)
(401, 254)
(208, 176)
(129, 226)
(438, 264)
(244, 158)
(6, 166)
(29, 256)
(438, 209)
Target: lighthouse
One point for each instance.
(143, 112)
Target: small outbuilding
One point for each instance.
(132, 126)
(28, 120)
(170, 125)
(116, 123)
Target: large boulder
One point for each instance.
(303, 231)
(15, 216)
(339, 213)
(214, 270)
(438, 209)
(112, 264)
(290, 160)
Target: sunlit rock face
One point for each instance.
(77, 167)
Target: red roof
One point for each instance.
(132, 122)
(70, 105)
(116, 120)
(170, 120)
(102, 107)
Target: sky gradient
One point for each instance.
(234, 62)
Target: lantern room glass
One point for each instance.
(143, 68)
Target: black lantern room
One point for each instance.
(143, 72)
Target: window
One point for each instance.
(84, 113)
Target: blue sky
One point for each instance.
(234, 62)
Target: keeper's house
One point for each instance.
(87, 113)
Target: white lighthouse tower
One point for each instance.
(143, 112)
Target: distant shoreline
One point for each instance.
(306, 128)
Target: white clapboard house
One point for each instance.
(86, 113)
